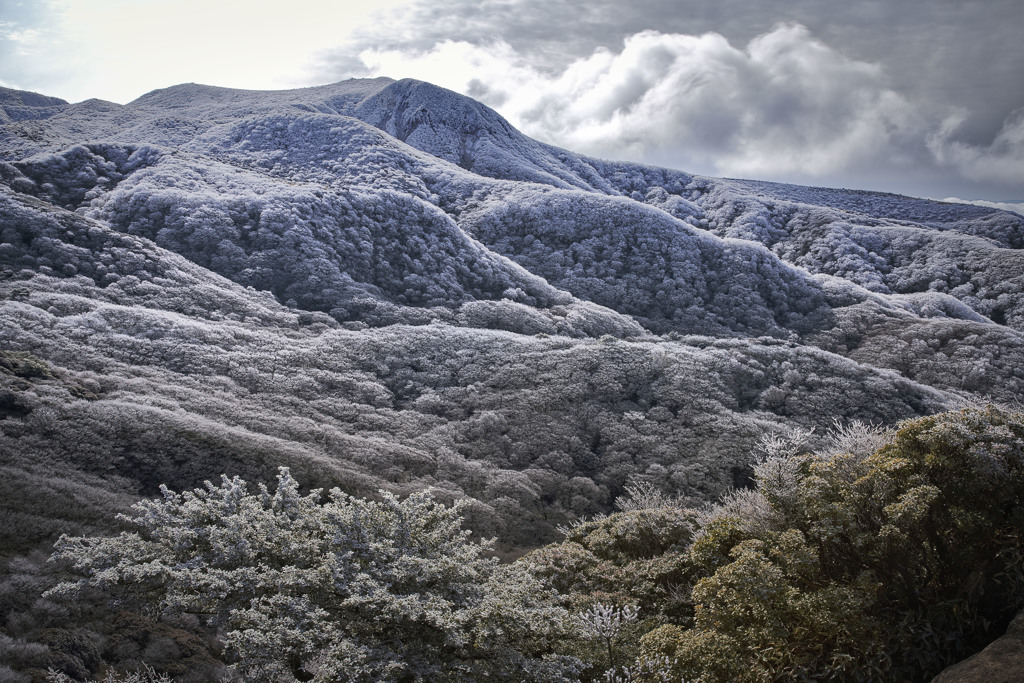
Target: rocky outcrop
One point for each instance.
(1000, 662)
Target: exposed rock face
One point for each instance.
(1000, 662)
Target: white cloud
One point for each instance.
(1017, 207)
(786, 103)
(786, 106)
(21, 36)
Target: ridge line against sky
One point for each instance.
(921, 97)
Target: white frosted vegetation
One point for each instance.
(446, 215)
(395, 588)
(382, 285)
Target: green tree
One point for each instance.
(885, 566)
(341, 589)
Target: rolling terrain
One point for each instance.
(383, 285)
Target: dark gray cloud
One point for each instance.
(938, 63)
(917, 96)
(946, 52)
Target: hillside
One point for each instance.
(383, 284)
(385, 287)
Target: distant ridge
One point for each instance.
(21, 105)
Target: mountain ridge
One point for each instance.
(384, 285)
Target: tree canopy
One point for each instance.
(314, 589)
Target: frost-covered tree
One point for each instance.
(341, 589)
(604, 623)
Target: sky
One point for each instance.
(920, 97)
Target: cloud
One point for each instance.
(22, 38)
(939, 53)
(24, 35)
(1000, 161)
(120, 49)
(786, 103)
(1016, 207)
(785, 106)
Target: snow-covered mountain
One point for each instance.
(383, 284)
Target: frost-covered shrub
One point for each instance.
(635, 557)
(334, 251)
(77, 175)
(342, 589)
(147, 675)
(643, 495)
(868, 239)
(606, 624)
(505, 315)
(856, 438)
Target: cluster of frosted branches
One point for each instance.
(605, 622)
(657, 669)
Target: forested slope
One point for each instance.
(408, 274)
(383, 285)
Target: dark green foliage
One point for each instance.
(134, 641)
(12, 405)
(71, 653)
(886, 567)
(23, 364)
(630, 558)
